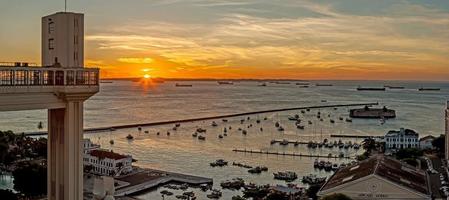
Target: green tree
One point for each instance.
(30, 171)
(313, 190)
(438, 143)
(336, 196)
(409, 153)
(8, 195)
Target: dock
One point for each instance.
(356, 136)
(145, 179)
(276, 141)
(288, 154)
(109, 128)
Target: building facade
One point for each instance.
(63, 39)
(379, 177)
(404, 138)
(104, 162)
(426, 142)
(446, 152)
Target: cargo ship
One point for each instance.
(429, 89)
(323, 84)
(183, 85)
(225, 83)
(370, 89)
(394, 87)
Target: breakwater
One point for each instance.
(109, 128)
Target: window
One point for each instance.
(51, 43)
(51, 27)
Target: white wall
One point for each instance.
(63, 38)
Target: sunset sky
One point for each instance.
(296, 39)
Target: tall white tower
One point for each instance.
(63, 39)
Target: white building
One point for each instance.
(63, 39)
(106, 162)
(404, 138)
(379, 177)
(426, 142)
(88, 146)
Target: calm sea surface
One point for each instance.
(124, 102)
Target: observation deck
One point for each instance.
(26, 86)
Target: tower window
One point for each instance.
(51, 43)
(51, 27)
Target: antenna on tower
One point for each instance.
(65, 5)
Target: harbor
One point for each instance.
(109, 128)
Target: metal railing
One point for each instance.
(20, 75)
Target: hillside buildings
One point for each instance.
(404, 138)
(446, 152)
(379, 177)
(426, 142)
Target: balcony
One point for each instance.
(27, 78)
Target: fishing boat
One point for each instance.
(214, 123)
(220, 136)
(280, 128)
(348, 120)
(310, 122)
(277, 124)
(316, 163)
(201, 137)
(200, 130)
(312, 179)
(332, 121)
(262, 85)
(328, 166)
(129, 137)
(147, 132)
(306, 84)
(284, 142)
(219, 163)
(183, 85)
(244, 132)
(300, 127)
(195, 134)
(286, 176)
(216, 194)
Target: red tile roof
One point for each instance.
(107, 154)
(385, 167)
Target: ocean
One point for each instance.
(127, 102)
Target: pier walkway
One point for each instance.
(288, 154)
(150, 178)
(109, 128)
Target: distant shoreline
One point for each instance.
(263, 80)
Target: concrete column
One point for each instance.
(65, 159)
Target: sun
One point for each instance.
(147, 76)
